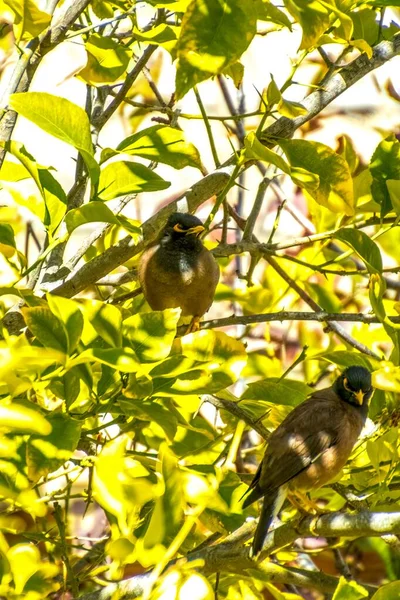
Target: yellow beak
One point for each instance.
(197, 230)
(359, 396)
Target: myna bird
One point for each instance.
(310, 446)
(178, 271)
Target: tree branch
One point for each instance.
(131, 77)
(125, 249)
(224, 250)
(237, 411)
(333, 326)
(232, 556)
(30, 59)
(338, 83)
(215, 182)
(285, 315)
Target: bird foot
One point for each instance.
(305, 505)
(193, 326)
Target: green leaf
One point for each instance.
(344, 358)
(345, 29)
(120, 485)
(107, 60)
(326, 299)
(11, 171)
(102, 9)
(365, 25)
(154, 413)
(313, 18)
(24, 561)
(349, 590)
(122, 359)
(268, 12)
(27, 360)
(71, 385)
(363, 246)
(50, 190)
(236, 72)
(304, 179)
(213, 346)
(67, 311)
(214, 35)
(390, 591)
(89, 213)
(160, 35)
(20, 418)
(164, 144)
(254, 149)
(48, 329)
(93, 212)
(7, 240)
(45, 455)
(377, 288)
(290, 109)
(106, 319)
(385, 164)
(387, 378)
(380, 548)
(29, 20)
(335, 190)
(121, 178)
(393, 188)
(287, 392)
(137, 388)
(213, 361)
(62, 119)
(168, 514)
(273, 92)
(346, 149)
(152, 334)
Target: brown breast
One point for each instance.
(192, 289)
(332, 460)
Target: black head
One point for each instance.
(354, 386)
(183, 230)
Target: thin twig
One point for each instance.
(130, 79)
(238, 412)
(255, 211)
(208, 128)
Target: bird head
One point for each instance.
(182, 229)
(354, 385)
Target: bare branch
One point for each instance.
(333, 326)
(237, 411)
(285, 315)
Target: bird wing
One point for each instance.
(306, 433)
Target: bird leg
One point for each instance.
(194, 325)
(304, 504)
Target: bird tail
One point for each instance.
(270, 508)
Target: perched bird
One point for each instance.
(178, 271)
(310, 446)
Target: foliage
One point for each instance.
(104, 404)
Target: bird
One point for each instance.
(311, 445)
(178, 271)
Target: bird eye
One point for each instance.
(346, 385)
(179, 229)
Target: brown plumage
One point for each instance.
(178, 271)
(311, 445)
